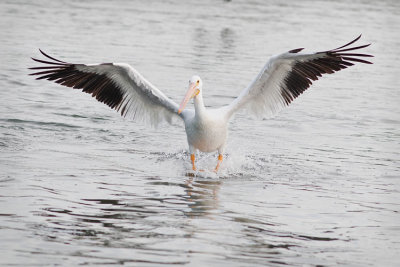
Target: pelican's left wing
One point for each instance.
(286, 76)
(116, 84)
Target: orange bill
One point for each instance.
(191, 92)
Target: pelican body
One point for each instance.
(283, 78)
(206, 129)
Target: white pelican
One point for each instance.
(283, 78)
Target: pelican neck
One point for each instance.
(199, 104)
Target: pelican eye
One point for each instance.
(198, 81)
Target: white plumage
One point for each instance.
(283, 78)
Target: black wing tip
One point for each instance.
(358, 38)
(49, 62)
(367, 45)
(343, 47)
(297, 50)
(342, 52)
(52, 58)
(303, 73)
(349, 43)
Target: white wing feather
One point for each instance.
(286, 76)
(116, 84)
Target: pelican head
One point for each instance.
(194, 89)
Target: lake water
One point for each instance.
(316, 185)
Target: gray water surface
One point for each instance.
(316, 185)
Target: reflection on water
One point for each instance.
(202, 196)
(129, 221)
(315, 186)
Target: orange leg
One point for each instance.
(220, 157)
(192, 158)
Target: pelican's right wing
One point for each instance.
(118, 85)
(286, 76)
